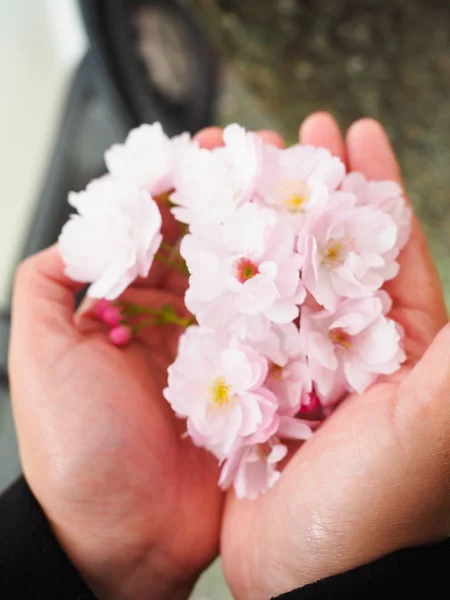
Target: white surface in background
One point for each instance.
(41, 41)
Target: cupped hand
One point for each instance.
(133, 503)
(135, 506)
(376, 476)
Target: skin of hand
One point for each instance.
(376, 476)
(134, 504)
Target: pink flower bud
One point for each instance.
(112, 316)
(120, 336)
(100, 307)
(312, 406)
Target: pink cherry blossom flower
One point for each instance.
(243, 155)
(252, 469)
(348, 252)
(211, 185)
(298, 181)
(203, 190)
(244, 273)
(288, 376)
(351, 347)
(148, 158)
(113, 238)
(385, 195)
(216, 383)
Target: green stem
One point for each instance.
(144, 324)
(161, 316)
(134, 310)
(176, 320)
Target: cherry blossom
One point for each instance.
(384, 195)
(113, 239)
(348, 252)
(244, 273)
(288, 375)
(252, 470)
(252, 467)
(287, 258)
(298, 181)
(216, 383)
(211, 185)
(148, 158)
(350, 347)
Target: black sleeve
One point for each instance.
(32, 564)
(34, 567)
(413, 574)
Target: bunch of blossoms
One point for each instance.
(287, 256)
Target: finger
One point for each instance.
(43, 291)
(422, 417)
(429, 381)
(271, 137)
(210, 138)
(43, 305)
(416, 291)
(321, 129)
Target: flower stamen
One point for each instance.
(220, 393)
(336, 250)
(334, 253)
(245, 269)
(296, 196)
(340, 338)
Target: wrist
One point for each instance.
(138, 585)
(114, 570)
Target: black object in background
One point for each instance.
(148, 61)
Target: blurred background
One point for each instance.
(77, 75)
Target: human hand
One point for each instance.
(376, 476)
(136, 507)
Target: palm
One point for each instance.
(115, 449)
(310, 509)
(318, 518)
(135, 428)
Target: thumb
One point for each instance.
(424, 396)
(422, 419)
(42, 308)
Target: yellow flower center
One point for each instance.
(219, 392)
(296, 196)
(333, 253)
(340, 338)
(295, 203)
